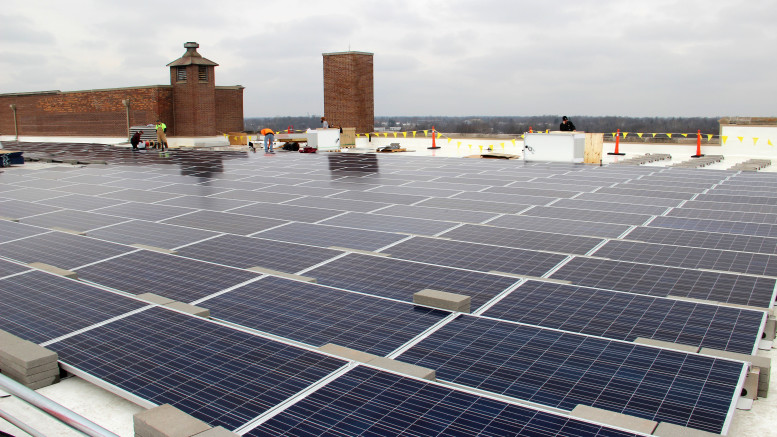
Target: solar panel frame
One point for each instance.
(61, 249)
(225, 222)
(328, 236)
(702, 239)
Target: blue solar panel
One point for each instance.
(472, 256)
(174, 277)
(38, 306)
(319, 315)
(219, 375)
(626, 316)
(366, 401)
(62, 250)
(328, 236)
(401, 279)
(563, 370)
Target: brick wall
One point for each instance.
(194, 103)
(84, 113)
(229, 109)
(349, 99)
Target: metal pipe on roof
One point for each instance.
(19, 424)
(52, 408)
(15, 125)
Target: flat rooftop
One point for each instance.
(643, 290)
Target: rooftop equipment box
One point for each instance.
(555, 146)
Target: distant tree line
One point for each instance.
(509, 124)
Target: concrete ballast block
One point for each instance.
(167, 421)
(218, 431)
(55, 270)
(615, 419)
(665, 429)
(282, 274)
(667, 345)
(187, 308)
(347, 353)
(155, 298)
(405, 368)
(27, 355)
(443, 300)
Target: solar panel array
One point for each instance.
(566, 266)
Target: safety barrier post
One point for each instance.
(617, 144)
(434, 140)
(698, 145)
(290, 129)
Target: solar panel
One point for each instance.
(38, 306)
(219, 375)
(80, 221)
(304, 191)
(87, 189)
(328, 236)
(140, 195)
(563, 226)
(224, 222)
(689, 257)
(535, 189)
(60, 249)
(609, 206)
(473, 256)
(47, 184)
(31, 194)
(9, 268)
(707, 240)
(731, 216)
(668, 281)
(144, 211)
(446, 185)
(174, 277)
(209, 203)
(563, 370)
(474, 205)
(423, 212)
(340, 204)
(753, 229)
(287, 212)
(623, 198)
(256, 196)
(723, 206)
(378, 222)
(245, 252)
(318, 315)
(520, 199)
(399, 279)
(150, 234)
(13, 230)
(367, 401)
(191, 188)
(399, 199)
(735, 198)
(17, 209)
(625, 316)
(429, 192)
(522, 239)
(80, 202)
(622, 218)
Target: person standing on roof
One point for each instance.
(566, 125)
(161, 138)
(269, 139)
(324, 123)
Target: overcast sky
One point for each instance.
(432, 57)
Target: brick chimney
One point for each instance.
(194, 94)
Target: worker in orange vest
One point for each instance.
(269, 139)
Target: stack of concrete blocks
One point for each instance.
(168, 421)
(27, 363)
(443, 300)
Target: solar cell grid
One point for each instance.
(668, 281)
(446, 185)
(537, 189)
(623, 198)
(622, 218)
(731, 216)
(689, 257)
(151, 234)
(256, 196)
(522, 239)
(339, 204)
(562, 226)
(327, 236)
(505, 198)
(753, 229)
(13, 230)
(707, 240)
(139, 195)
(480, 257)
(366, 401)
(219, 375)
(474, 205)
(287, 212)
(31, 194)
(563, 370)
(208, 203)
(609, 206)
(318, 315)
(224, 222)
(87, 189)
(60, 249)
(399, 279)
(663, 194)
(387, 198)
(387, 223)
(723, 206)
(80, 221)
(9, 268)
(625, 316)
(177, 278)
(734, 198)
(246, 252)
(80, 202)
(38, 307)
(456, 215)
(740, 190)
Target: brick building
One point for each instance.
(349, 99)
(191, 106)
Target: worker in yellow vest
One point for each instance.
(161, 138)
(269, 139)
